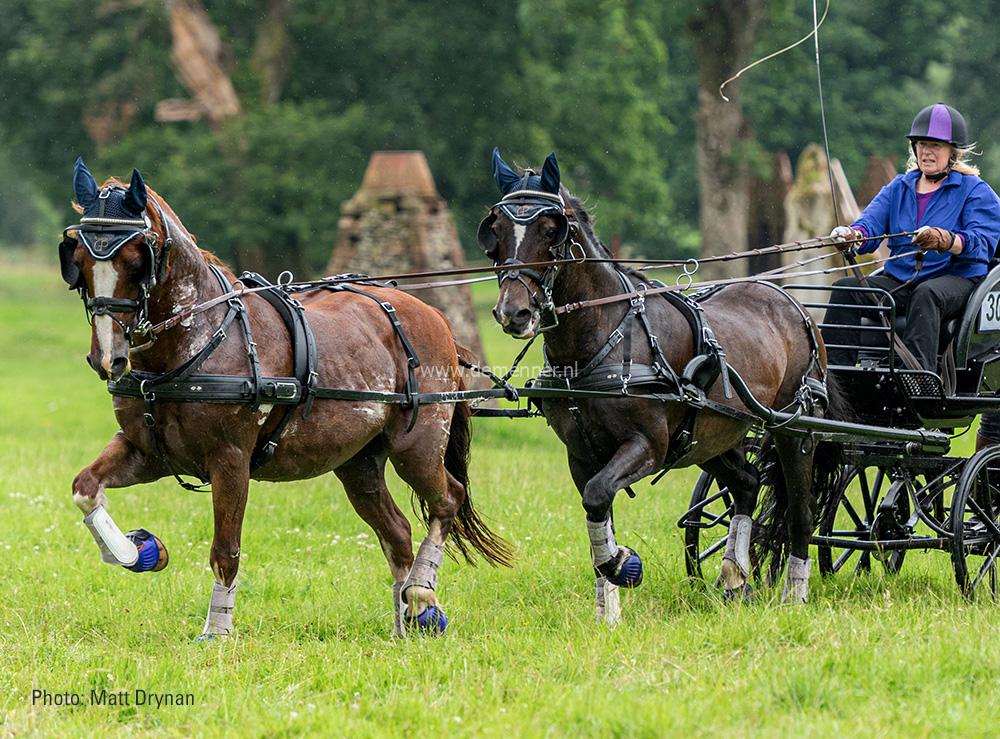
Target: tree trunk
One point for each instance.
(723, 32)
(272, 50)
(197, 55)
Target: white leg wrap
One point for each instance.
(609, 609)
(738, 546)
(796, 581)
(220, 610)
(602, 542)
(397, 610)
(115, 548)
(423, 573)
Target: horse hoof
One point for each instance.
(628, 570)
(153, 555)
(743, 594)
(432, 620)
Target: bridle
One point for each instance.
(103, 237)
(524, 207)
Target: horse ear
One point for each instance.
(505, 177)
(487, 239)
(135, 198)
(84, 185)
(550, 174)
(70, 271)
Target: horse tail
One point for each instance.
(770, 540)
(468, 529)
(828, 461)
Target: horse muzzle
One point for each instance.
(522, 324)
(108, 368)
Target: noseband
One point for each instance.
(103, 236)
(524, 207)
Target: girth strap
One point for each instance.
(303, 360)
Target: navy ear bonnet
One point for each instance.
(527, 196)
(112, 216)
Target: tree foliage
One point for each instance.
(610, 85)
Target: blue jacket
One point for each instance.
(964, 204)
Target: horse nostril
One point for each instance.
(522, 317)
(118, 366)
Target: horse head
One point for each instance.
(528, 225)
(114, 257)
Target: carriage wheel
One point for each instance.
(706, 522)
(975, 511)
(854, 515)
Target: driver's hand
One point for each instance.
(845, 236)
(932, 238)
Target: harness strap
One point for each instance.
(148, 387)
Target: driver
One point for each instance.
(957, 219)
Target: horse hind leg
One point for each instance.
(433, 460)
(732, 471)
(440, 496)
(363, 478)
(419, 459)
(796, 455)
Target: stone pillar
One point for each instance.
(809, 212)
(396, 223)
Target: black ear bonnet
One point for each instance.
(112, 217)
(526, 197)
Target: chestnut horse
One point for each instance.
(615, 441)
(136, 264)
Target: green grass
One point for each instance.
(875, 655)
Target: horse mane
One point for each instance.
(210, 257)
(576, 208)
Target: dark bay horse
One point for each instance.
(135, 263)
(613, 442)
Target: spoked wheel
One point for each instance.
(867, 505)
(975, 544)
(706, 522)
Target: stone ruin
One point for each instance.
(397, 223)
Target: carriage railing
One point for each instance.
(877, 301)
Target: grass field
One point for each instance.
(873, 656)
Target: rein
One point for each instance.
(776, 274)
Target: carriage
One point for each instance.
(892, 495)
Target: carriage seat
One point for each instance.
(873, 339)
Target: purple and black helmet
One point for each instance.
(940, 122)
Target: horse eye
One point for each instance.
(550, 232)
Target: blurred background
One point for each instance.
(256, 119)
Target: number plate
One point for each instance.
(989, 312)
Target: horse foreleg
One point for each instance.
(121, 464)
(364, 481)
(230, 480)
(607, 598)
(797, 468)
(620, 566)
(732, 471)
